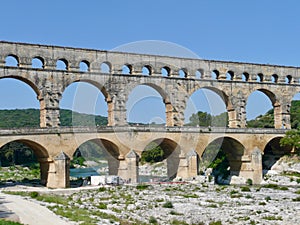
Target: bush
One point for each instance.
(152, 220)
(249, 182)
(142, 186)
(34, 194)
(153, 153)
(245, 189)
(168, 204)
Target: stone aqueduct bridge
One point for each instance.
(233, 82)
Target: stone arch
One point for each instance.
(172, 152)
(40, 61)
(274, 78)
(107, 149)
(148, 70)
(127, 69)
(62, 64)
(245, 76)
(15, 58)
(103, 90)
(233, 150)
(230, 75)
(166, 71)
(275, 103)
(166, 100)
(41, 154)
(272, 152)
(288, 79)
(84, 66)
(221, 94)
(260, 77)
(38, 93)
(183, 73)
(106, 67)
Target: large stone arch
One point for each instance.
(110, 150)
(41, 154)
(172, 152)
(222, 94)
(37, 90)
(233, 149)
(163, 93)
(106, 93)
(272, 152)
(277, 106)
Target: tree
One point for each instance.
(153, 153)
(291, 138)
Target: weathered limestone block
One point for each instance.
(256, 159)
(128, 167)
(59, 172)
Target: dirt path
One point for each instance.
(28, 212)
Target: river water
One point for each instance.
(92, 171)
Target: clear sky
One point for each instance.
(258, 31)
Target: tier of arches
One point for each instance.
(234, 151)
(148, 69)
(271, 95)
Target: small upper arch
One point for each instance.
(165, 71)
(147, 70)
(12, 60)
(260, 77)
(199, 73)
(229, 75)
(105, 67)
(183, 73)
(62, 64)
(84, 66)
(215, 74)
(288, 79)
(274, 78)
(245, 76)
(38, 62)
(127, 69)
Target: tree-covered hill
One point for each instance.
(262, 121)
(267, 120)
(31, 118)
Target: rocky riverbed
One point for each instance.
(275, 201)
(181, 203)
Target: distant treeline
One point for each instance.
(31, 118)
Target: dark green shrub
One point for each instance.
(168, 204)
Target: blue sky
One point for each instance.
(258, 31)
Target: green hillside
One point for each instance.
(31, 118)
(267, 120)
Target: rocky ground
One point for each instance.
(276, 201)
(185, 203)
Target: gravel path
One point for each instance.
(27, 212)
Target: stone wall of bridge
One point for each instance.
(126, 144)
(233, 82)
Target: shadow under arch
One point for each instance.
(165, 97)
(171, 154)
(272, 153)
(41, 155)
(105, 93)
(223, 96)
(96, 151)
(224, 155)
